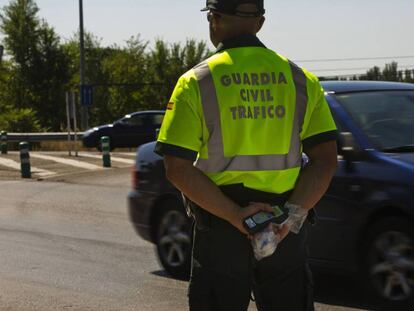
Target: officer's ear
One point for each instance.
(260, 23)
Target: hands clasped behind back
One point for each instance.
(242, 213)
(281, 231)
(265, 242)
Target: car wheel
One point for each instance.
(174, 239)
(389, 264)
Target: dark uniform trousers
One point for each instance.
(225, 273)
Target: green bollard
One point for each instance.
(25, 160)
(3, 139)
(106, 155)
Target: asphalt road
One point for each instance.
(67, 244)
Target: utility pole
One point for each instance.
(84, 108)
(1, 53)
(1, 57)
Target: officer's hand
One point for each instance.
(281, 231)
(251, 209)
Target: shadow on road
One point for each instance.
(164, 274)
(334, 290)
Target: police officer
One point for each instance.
(232, 141)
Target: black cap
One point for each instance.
(230, 7)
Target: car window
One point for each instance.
(134, 120)
(386, 117)
(156, 119)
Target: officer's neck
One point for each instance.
(240, 40)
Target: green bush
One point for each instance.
(19, 121)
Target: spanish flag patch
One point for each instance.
(170, 106)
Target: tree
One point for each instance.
(49, 78)
(373, 74)
(126, 70)
(40, 66)
(409, 77)
(19, 23)
(167, 63)
(12, 118)
(124, 79)
(390, 72)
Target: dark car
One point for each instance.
(132, 130)
(365, 223)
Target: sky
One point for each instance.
(302, 30)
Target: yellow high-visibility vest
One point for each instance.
(243, 115)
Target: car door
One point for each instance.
(331, 239)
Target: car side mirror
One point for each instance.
(348, 147)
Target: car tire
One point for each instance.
(174, 238)
(389, 263)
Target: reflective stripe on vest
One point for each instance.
(216, 161)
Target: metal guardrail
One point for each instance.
(39, 137)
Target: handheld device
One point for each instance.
(259, 221)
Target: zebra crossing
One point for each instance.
(49, 164)
(16, 166)
(116, 159)
(76, 163)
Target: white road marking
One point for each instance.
(42, 173)
(133, 154)
(70, 162)
(10, 163)
(16, 165)
(116, 159)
